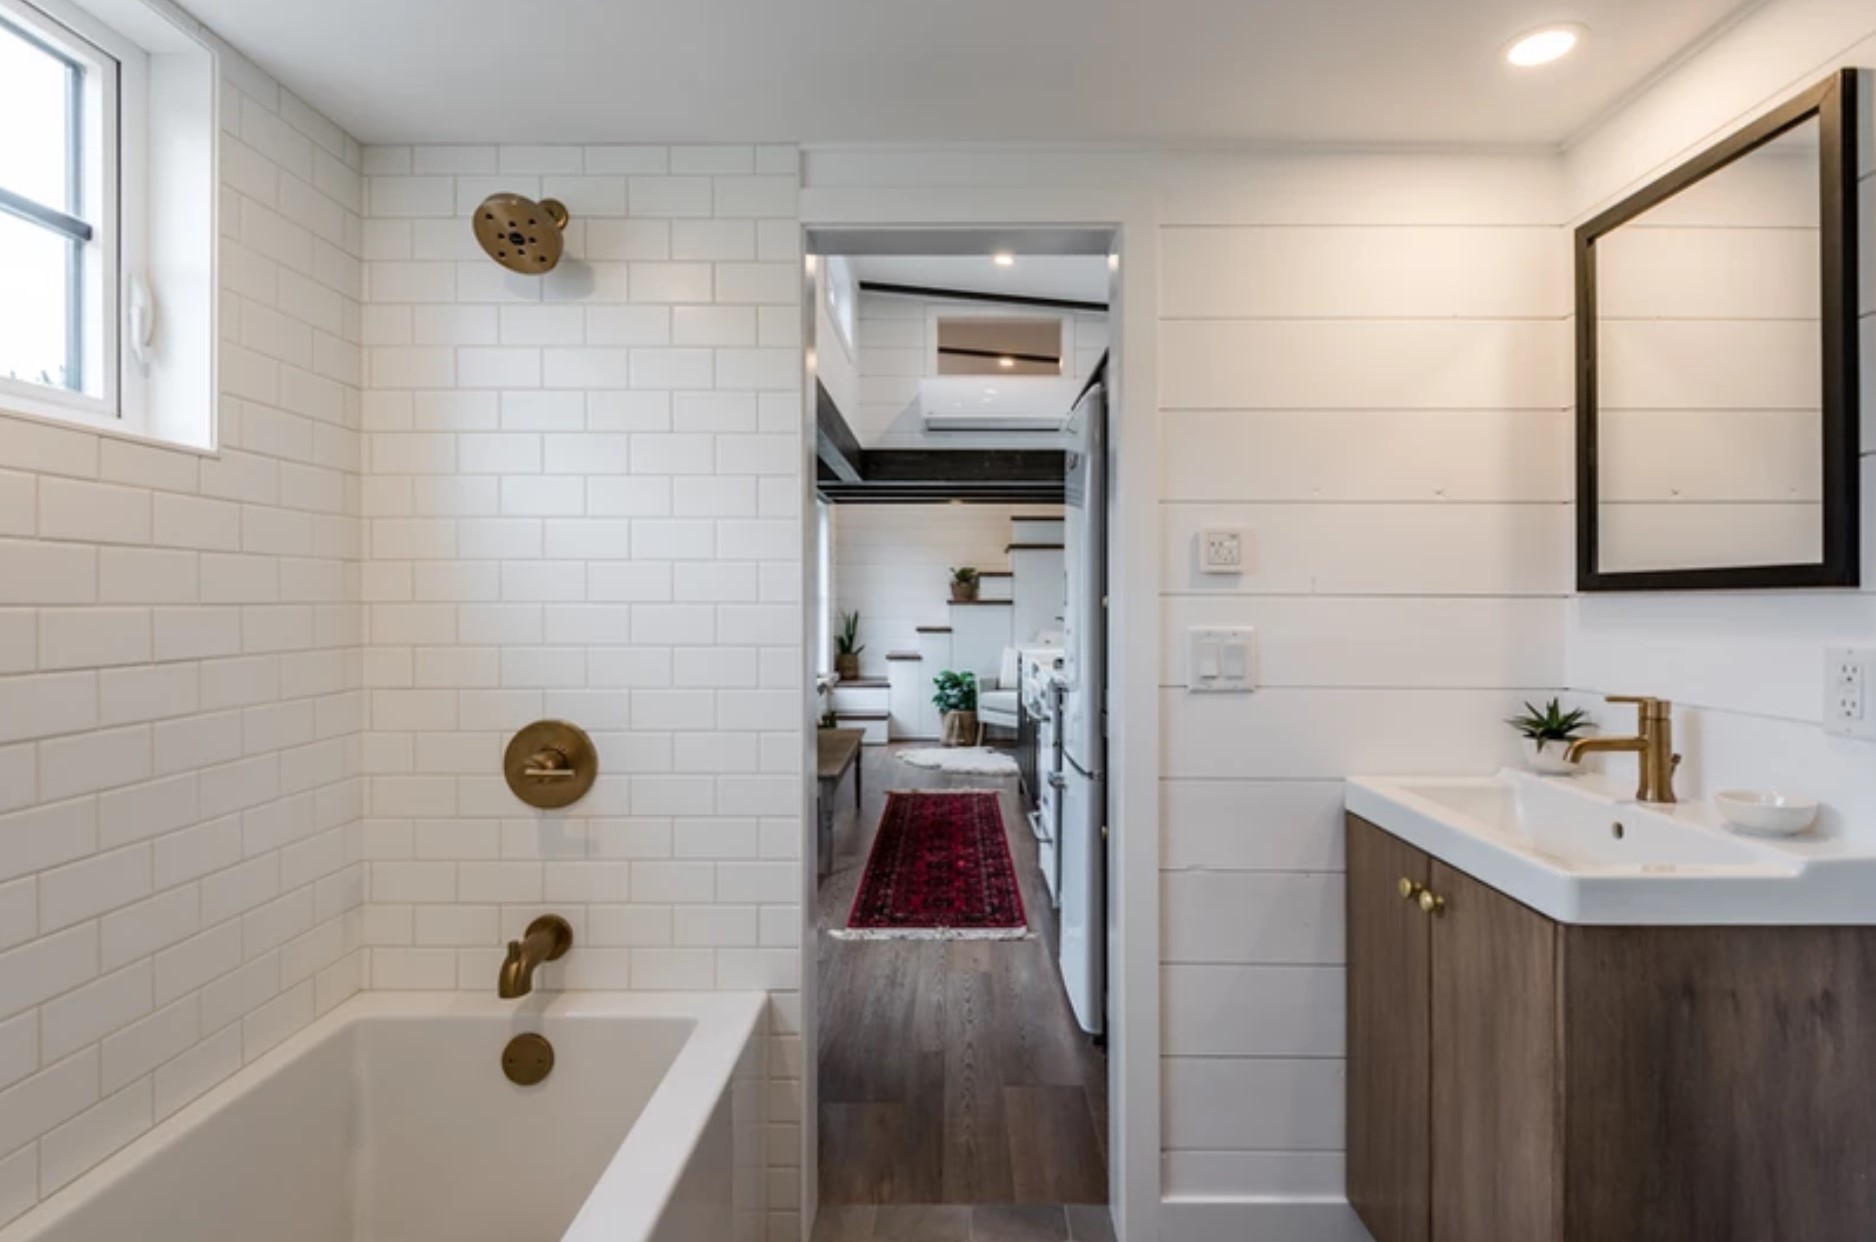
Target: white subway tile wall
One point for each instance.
(181, 692)
(583, 501)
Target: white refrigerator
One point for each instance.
(1083, 825)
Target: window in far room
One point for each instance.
(982, 345)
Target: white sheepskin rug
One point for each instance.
(962, 761)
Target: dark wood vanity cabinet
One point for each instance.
(1510, 1077)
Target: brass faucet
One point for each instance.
(548, 938)
(1653, 744)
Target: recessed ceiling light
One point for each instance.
(1003, 259)
(1541, 47)
(1006, 363)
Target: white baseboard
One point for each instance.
(1259, 1220)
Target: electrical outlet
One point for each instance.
(1221, 551)
(1847, 672)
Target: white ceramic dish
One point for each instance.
(1547, 758)
(1765, 813)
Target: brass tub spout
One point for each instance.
(548, 939)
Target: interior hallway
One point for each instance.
(951, 1072)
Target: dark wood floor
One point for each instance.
(1084, 1223)
(950, 1072)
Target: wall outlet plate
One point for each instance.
(1847, 706)
(1222, 551)
(1221, 660)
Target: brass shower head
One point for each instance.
(521, 234)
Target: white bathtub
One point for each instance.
(389, 1120)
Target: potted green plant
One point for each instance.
(824, 691)
(1548, 734)
(956, 700)
(847, 647)
(965, 584)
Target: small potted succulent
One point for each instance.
(965, 584)
(847, 647)
(1548, 734)
(956, 699)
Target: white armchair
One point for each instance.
(997, 708)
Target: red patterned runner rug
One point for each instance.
(940, 870)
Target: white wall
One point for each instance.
(893, 563)
(899, 347)
(836, 364)
(1746, 670)
(584, 501)
(179, 692)
(1364, 366)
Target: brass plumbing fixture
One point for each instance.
(547, 940)
(1653, 745)
(528, 1059)
(520, 234)
(551, 764)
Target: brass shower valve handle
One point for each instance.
(551, 764)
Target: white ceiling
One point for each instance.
(1078, 278)
(1362, 71)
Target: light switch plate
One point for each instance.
(1222, 551)
(1847, 706)
(1221, 660)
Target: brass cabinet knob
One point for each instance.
(1431, 902)
(1408, 889)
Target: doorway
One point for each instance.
(961, 1069)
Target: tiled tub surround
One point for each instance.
(583, 501)
(180, 699)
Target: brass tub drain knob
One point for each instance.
(528, 1059)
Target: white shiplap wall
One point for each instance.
(1364, 366)
(1746, 670)
(179, 692)
(893, 563)
(584, 501)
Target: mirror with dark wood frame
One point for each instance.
(1717, 369)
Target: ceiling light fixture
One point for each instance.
(1006, 363)
(1541, 47)
(1004, 259)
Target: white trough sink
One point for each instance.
(1573, 848)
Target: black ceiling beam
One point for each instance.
(976, 295)
(959, 351)
(963, 467)
(890, 495)
(834, 442)
(845, 473)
